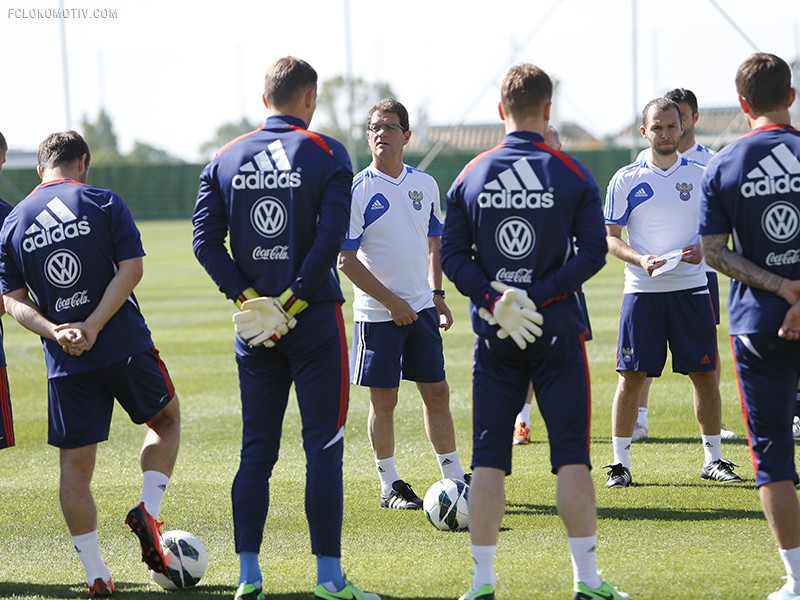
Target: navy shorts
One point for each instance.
(384, 352)
(6, 416)
(559, 371)
(767, 368)
(80, 406)
(713, 290)
(684, 320)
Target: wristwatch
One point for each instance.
(438, 293)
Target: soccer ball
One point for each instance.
(187, 560)
(445, 505)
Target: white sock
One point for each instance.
(622, 450)
(484, 565)
(154, 485)
(87, 546)
(584, 560)
(450, 465)
(791, 560)
(641, 419)
(387, 472)
(712, 447)
(524, 415)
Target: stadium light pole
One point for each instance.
(635, 78)
(348, 45)
(64, 64)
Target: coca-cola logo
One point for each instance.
(515, 276)
(77, 299)
(790, 257)
(274, 253)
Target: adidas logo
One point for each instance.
(377, 205)
(54, 224)
(270, 169)
(641, 193)
(516, 187)
(776, 173)
(705, 360)
(446, 462)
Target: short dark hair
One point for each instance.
(765, 81)
(525, 90)
(287, 78)
(3, 143)
(679, 95)
(661, 104)
(62, 148)
(390, 105)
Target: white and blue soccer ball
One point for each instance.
(445, 505)
(187, 561)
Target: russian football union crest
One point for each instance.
(683, 190)
(416, 199)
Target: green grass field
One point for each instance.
(673, 535)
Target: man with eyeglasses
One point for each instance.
(391, 254)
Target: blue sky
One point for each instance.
(170, 73)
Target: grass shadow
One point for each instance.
(643, 513)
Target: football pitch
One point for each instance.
(672, 535)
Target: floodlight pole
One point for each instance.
(64, 64)
(634, 79)
(348, 45)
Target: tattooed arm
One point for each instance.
(725, 260)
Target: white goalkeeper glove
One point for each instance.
(262, 321)
(517, 316)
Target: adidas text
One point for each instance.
(520, 199)
(783, 184)
(56, 234)
(266, 180)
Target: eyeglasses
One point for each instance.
(388, 127)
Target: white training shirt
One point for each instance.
(660, 210)
(390, 223)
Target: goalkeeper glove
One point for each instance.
(517, 315)
(248, 294)
(262, 321)
(291, 303)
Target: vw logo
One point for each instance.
(268, 217)
(515, 237)
(62, 268)
(781, 222)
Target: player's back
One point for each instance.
(753, 189)
(64, 243)
(528, 207)
(276, 184)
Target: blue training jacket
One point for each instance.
(528, 216)
(281, 194)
